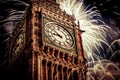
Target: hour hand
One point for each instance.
(57, 35)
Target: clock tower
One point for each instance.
(47, 44)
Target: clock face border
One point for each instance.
(13, 53)
(58, 35)
(68, 27)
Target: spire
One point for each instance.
(79, 27)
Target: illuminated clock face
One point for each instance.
(58, 35)
(17, 45)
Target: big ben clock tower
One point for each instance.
(48, 44)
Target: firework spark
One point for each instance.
(96, 31)
(10, 16)
(97, 37)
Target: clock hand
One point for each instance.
(57, 35)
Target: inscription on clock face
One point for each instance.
(58, 35)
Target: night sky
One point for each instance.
(110, 9)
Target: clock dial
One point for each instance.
(58, 35)
(17, 45)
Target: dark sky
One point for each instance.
(108, 8)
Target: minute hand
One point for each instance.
(57, 34)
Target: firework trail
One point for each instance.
(10, 15)
(99, 39)
(96, 30)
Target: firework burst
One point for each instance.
(96, 30)
(99, 39)
(10, 16)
